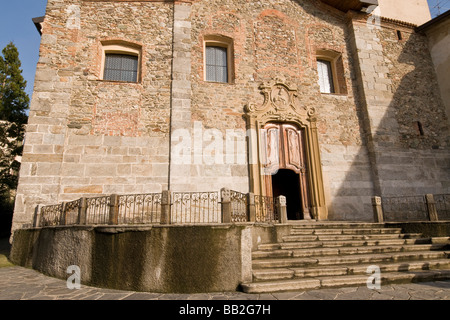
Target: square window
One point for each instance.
(216, 64)
(325, 76)
(121, 67)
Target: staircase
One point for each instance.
(330, 254)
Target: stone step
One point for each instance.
(338, 225)
(386, 278)
(292, 262)
(313, 252)
(308, 238)
(441, 240)
(352, 243)
(281, 285)
(336, 254)
(339, 231)
(342, 281)
(342, 243)
(287, 273)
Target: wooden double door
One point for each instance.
(285, 167)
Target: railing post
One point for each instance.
(166, 202)
(37, 216)
(82, 212)
(114, 210)
(225, 195)
(281, 208)
(251, 207)
(62, 220)
(377, 209)
(431, 206)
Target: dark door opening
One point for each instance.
(287, 183)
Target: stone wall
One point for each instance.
(439, 42)
(155, 259)
(87, 136)
(281, 38)
(406, 127)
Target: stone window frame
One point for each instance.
(224, 42)
(337, 70)
(124, 48)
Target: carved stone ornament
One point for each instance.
(280, 102)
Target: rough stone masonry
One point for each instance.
(88, 136)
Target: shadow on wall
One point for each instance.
(6, 215)
(404, 125)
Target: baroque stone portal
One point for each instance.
(276, 126)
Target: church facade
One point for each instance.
(325, 102)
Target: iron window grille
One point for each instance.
(216, 64)
(121, 67)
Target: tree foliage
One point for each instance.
(14, 103)
(14, 100)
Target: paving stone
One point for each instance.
(362, 293)
(267, 296)
(17, 283)
(143, 296)
(199, 296)
(285, 295)
(305, 296)
(324, 294)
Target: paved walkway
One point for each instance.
(17, 283)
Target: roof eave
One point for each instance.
(347, 5)
(38, 23)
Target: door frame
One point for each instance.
(286, 110)
(299, 165)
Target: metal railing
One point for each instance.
(71, 212)
(139, 208)
(239, 206)
(226, 206)
(195, 207)
(406, 208)
(265, 209)
(442, 206)
(427, 207)
(97, 210)
(51, 215)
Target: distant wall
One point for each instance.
(439, 42)
(426, 228)
(413, 11)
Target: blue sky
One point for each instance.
(16, 26)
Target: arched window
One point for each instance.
(218, 59)
(121, 62)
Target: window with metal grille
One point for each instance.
(121, 67)
(216, 64)
(325, 76)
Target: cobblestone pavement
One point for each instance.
(18, 283)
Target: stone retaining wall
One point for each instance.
(177, 259)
